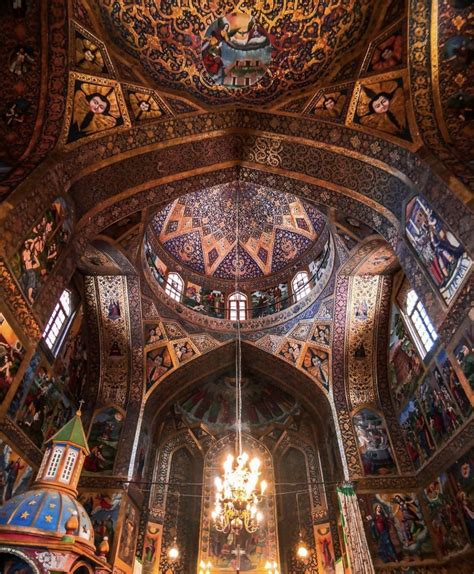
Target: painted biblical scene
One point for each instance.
(254, 550)
(316, 364)
(387, 54)
(236, 50)
(381, 106)
(443, 257)
(464, 354)
(128, 536)
(212, 403)
(41, 405)
(445, 518)
(320, 264)
(103, 441)
(154, 332)
(157, 267)
(97, 107)
(213, 302)
(405, 366)
(461, 476)
(374, 443)
(193, 298)
(453, 383)
(330, 105)
(396, 528)
(183, 351)
(103, 509)
(270, 301)
(11, 355)
(71, 364)
(151, 546)
(15, 473)
(158, 363)
(418, 438)
(441, 411)
(325, 549)
(41, 249)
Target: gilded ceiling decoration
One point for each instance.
(266, 49)
(199, 230)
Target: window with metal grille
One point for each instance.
(174, 286)
(56, 327)
(300, 285)
(237, 307)
(426, 335)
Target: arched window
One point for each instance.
(54, 463)
(300, 285)
(69, 465)
(59, 322)
(174, 286)
(237, 307)
(420, 323)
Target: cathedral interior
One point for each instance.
(236, 228)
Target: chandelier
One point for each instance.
(239, 491)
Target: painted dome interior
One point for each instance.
(198, 230)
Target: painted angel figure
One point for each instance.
(95, 109)
(382, 107)
(144, 107)
(330, 106)
(88, 56)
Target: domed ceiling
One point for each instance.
(199, 230)
(279, 47)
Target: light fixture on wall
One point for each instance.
(271, 567)
(205, 567)
(239, 491)
(173, 551)
(301, 550)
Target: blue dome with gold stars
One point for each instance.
(45, 511)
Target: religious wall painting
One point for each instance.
(291, 351)
(158, 364)
(128, 535)
(269, 301)
(316, 364)
(439, 251)
(89, 54)
(184, 351)
(22, 58)
(71, 363)
(387, 52)
(15, 473)
(374, 443)
(152, 547)
(396, 528)
(320, 264)
(452, 382)
(461, 476)
(213, 301)
(145, 105)
(236, 50)
(325, 549)
(174, 330)
(157, 267)
(103, 509)
(154, 332)
(381, 106)
(330, 104)
(464, 355)
(96, 105)
(418, 436)
(12, 353)
(141, 455)
(405, 365)
(193, 297)
(43, 246)
(444, 516)
(103, 439)
(321, 334)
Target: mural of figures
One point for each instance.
(151, 547)
(183, 351)
(291, 351)
(325, 549)
(443, 257)
(103, 441)
(388, 54)
(157, 267)
(40, 406)
(254, 551)
(418, 438)
(439, 407)
(88, 56)
(330, 105)
(97, 107)
(41, 249)
(214, 303)
(374, 444)
(103, 509)
(145, 106)
(405, 366)
(193, 297)
(154, 333)
(316, 363)
(158, 363)
(446, 522)
(11, 355)
(71, 365)
(15, 473)
(270, 300)
(461, 476)
(319, 265)
(397, 527)
(382, 106)
(128, 536)
(322, 334)
(454, 385)
(464, 353)
(236, 50)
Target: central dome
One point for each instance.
(198, 230)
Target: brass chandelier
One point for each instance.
(240, 490)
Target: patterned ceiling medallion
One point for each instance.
(236, 50)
